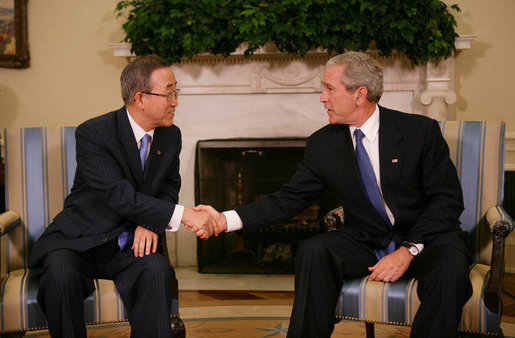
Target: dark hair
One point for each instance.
(136, 75)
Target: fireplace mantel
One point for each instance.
(429, 88)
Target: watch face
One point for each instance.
(413, 250)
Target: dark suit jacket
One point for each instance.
(110, 193)
(418, 180)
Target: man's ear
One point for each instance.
(138, 100)
(361, 94)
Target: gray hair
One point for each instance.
(136, 75)
(361, 70)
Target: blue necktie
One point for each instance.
(127, 236)
(370, 183)
(143, 149)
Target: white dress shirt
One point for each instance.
(175, 221)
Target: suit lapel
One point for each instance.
(154, 156)
(391, 157)
(128, 145)
(346, 166)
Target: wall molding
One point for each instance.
(123, 49)
(509, 160)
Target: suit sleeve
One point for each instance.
(100, 166)
(304, 188)
(443, 200)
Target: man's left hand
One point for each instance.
(144, 241)
(391, 267)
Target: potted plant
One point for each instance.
(421, 30)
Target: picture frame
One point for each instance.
(14, 44)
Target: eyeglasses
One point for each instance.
(174, 94)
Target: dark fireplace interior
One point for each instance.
(233, 172)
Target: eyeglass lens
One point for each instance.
(174, 94)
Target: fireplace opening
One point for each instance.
(230, 173)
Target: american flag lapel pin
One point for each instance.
(395, 160)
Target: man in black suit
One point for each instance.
(393, 176)
(124, 197)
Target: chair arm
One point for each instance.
(334, 219)
(501, 225)
(8, 221)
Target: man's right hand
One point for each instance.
(218, 217)
(199, 222)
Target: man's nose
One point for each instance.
(323, 96)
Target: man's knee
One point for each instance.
(313, 247)
(157, 266)
(446, 267)
(450, 260)
(59, 266)
(64, 272)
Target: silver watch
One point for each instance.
(412, 248)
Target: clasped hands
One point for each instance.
(204, 221)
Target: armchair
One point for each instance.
(40, 166)
(477, 149)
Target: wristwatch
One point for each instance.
(412, 248)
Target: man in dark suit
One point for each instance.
(124, 197)
(393, 176)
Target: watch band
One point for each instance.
(412, 248)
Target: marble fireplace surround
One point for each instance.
(273, 95)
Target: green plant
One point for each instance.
(174, 29)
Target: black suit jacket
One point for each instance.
(110, 193)
(418, 180)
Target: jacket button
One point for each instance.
(104, 239)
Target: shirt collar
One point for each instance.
(137, 130)
(370, 128)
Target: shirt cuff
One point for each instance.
(233, 221)
(175, 221)
(419, 246)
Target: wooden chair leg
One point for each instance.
(370, 329)
(178, 328)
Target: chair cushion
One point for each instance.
(20, 310)
(397, 303)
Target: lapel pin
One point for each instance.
(395, 160)
(159, 152)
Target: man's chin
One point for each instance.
(332, 120)
(167, 123)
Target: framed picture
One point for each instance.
(14, 45)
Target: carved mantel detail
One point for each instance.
(429, 88)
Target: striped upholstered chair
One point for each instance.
(40, 166)
(477, 149)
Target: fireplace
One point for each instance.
(233, 172)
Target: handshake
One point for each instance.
(204, 221)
